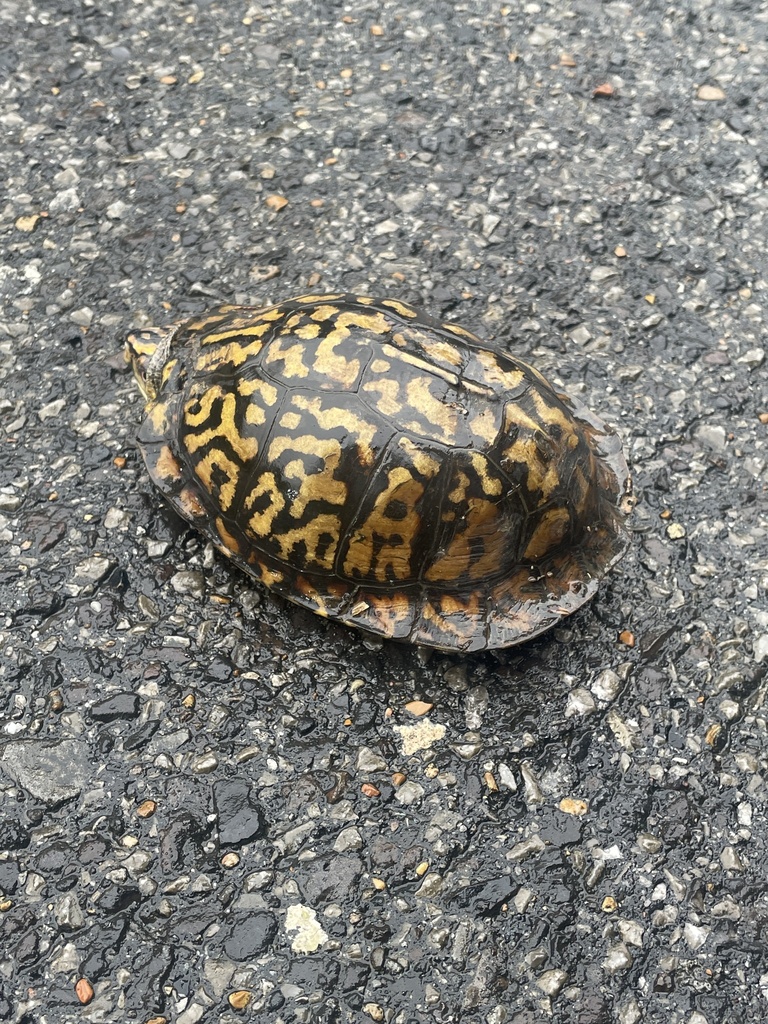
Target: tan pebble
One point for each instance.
(5, 905)
(418, 707)
(146, 809)
(377, 30)
(189, 701)
(157, 1020)
(379, 884)
(571, 806)
(431, 771)
(676, 531)
(369, 790)
(620, 251)
(422, 869)
(27, 224)
(627, 637)
(763, 417)
(230, 860)
(567, 61)
(196, 76)
(712, 733)
(240, 999)
(604, 90)
(398, 779)
(490, 782)
(346, 72)
(276, 202)
(650, 298)
(710, 93)
(84, 991)
(168, 80)
(608, 905)
(314, 278)
(374, 1011)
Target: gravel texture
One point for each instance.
(215, 807)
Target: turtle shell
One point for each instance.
(385, 469)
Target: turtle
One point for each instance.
(382, 468)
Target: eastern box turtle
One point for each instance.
(382, 468)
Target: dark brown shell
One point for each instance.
(386, 470)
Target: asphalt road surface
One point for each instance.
(216, 807)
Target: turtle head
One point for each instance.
(149, 352)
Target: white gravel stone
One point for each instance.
(606, 686)
(369, 760)
(93, 568)
(52, 409)
(83, 317)
(67, 201)
(527, 848)
(711, 436)
(550, 982)
(542, 35)
(506, 777)
(695, 935)
(348, 839)
(68, 913)
(117, 210)
(618, 959)
(760, 647)
(305, 932)
(631, 932)
(409, 201)
(730, 859)
(753, 358)
(580, 702)
(581, 335)
(115, 518)
(409, 793)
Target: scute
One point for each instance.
(386, 470)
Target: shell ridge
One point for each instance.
(352, 522)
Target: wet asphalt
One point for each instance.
(216, 807)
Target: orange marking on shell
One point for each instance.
(167, 465)
(548, 535)
(190, 504)
(229, 541)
